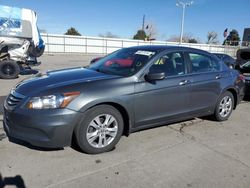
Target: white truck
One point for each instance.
(20, 41)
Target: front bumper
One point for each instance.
(43, 128)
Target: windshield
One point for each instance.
(124, 62)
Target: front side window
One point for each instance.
(203, 63)
(172, 64)
(124, 62)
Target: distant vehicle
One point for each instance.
(129, 90)
(227, 59)
(243, 65)
(246, 37)
(118, 62)
(245, 70)
(95, 60)
(20, 41)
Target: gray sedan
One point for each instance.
(129, 90)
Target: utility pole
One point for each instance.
(143, 23)
(183, 5)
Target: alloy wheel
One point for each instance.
(225, 106)
(102, 130)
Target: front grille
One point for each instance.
(14, 99)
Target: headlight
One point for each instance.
(52, 101)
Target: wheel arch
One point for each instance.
(124, 113)
(234, 93)
(118, 105)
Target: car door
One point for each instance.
(162, 100)
(206, 82)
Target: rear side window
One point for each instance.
(203, 63)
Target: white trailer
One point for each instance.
(20, 40)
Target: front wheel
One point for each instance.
(224, 106)
(100, 130)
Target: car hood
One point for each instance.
(53, 79)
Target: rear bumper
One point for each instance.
(48, 128)
(240, 92)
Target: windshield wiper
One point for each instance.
(98, 70)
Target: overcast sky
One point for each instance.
(124, 17)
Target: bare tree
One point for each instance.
(151, 31)
(174, 38)
(108, 35)
(212, 37)
(187, 38)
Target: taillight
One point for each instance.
(241, 77)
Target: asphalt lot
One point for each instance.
(194, 153)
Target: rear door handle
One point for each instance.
(218, 77)
(184, 82)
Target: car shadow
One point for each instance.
(2, 98)
(16, 181)
(247, 98)
(209, 118)
(165, 124)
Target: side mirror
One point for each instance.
(155, 76)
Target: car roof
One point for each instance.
(166, 47)
(220, 54)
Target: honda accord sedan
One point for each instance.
(129, 90)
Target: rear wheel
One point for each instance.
(100, 130)
(9, 69)
(224, 106)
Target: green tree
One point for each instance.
(233, 39)
(140, 35)
(72, 31)
(192, 40)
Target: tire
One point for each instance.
(9, 69)
(91, 135)
(224, 106)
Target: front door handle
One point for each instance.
(218, 77)
(184, 82)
